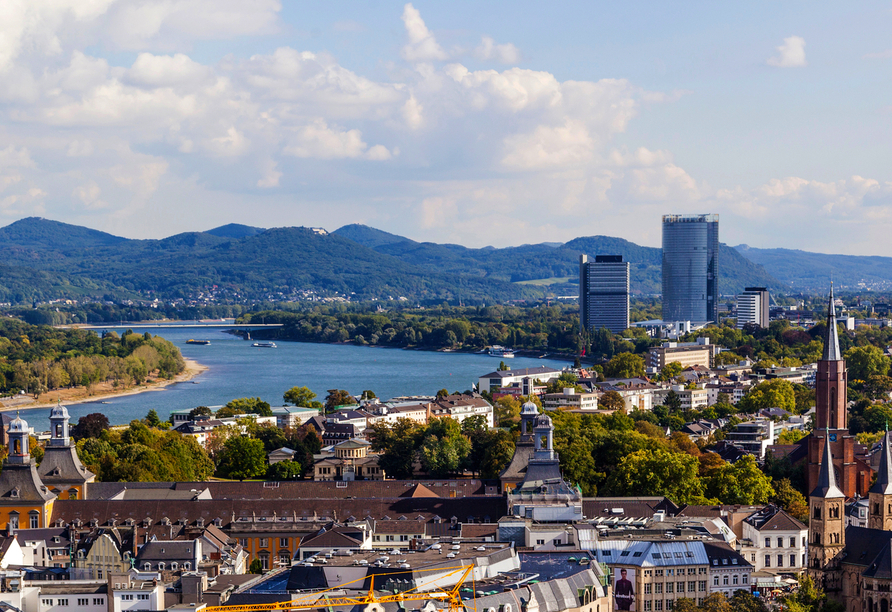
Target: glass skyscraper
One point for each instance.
(690, 268)
(604, 293)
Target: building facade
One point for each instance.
(604, 293)
(752, 307)
(690, 267)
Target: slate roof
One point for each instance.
(166, 550)
(826, 487)
(864, 546)
(21, 483)
(831, 343)
(772, 517)
(61, 466)
(523, 372)
(721, 554)
(883, 484)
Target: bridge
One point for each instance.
(247, 326)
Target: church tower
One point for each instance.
(879, 511)
(25, 502)
(826, 527)
(61, 469)
(830, 418)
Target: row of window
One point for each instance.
(139, 597)
(264, 542)
(780, 542)
(405, 538)
(691, 571)
(33, 521)
(657, 605)
(81, 601)
(780, 561)
(735, 579)
(676, 587)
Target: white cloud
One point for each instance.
(564, 146)
(506, 53)
(413, 113)
(791, 54)
(422, 46)
(271, 175)
(89, 195)
(318, 140)
(167, 71)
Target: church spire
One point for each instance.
(831, 344)
(827, 477)
(883, 485)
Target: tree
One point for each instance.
(503, 367)
(442, 393)
(284, 470)
(507, 410)
(90, 426)
(672, 402)
(863, 362)
(242, 458)
(744, 601)
(250, 405)
(397, 444)
(200, 411)
(740, 483)
(791, 500)
(658, 472)
(877, 417)
(612, 400)
(256, 567)
(152, 419)
(671, 370)
(301, 396)
(336, 398)
(775, 393)
(625, 365)
(368, 394)
(444, 449)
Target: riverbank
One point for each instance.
(100, 392)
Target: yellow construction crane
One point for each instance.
(321, 599)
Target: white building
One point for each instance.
(752, 307)
(773, 541)
(729, 571)
(525, 378)
(570, 399)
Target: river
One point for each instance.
(236, 369)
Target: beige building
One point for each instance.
(350, 460)
(687, 354)
(570, 399)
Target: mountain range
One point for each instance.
(44, 259)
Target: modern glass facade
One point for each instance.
(604, 293)
(690, 267)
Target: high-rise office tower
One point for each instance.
(752, 307)
(690, 267)
(604, 293)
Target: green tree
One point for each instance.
(625, 365)
(284, 470)
(877, 417)
(256, 567)
(336, 398)
(444, 449)
(152, 419)
(442, 393)
(791, 500)
(90, 426)
(744, 601)
(866, 361)
(658, 472)
(250, 405)
(672, 402)
(790, 436)
(200, 411)
(301, 396)
(242, 458)
(671, 370)
(397, 444)
(503, 367)
(368, 394)
(612, 400)
(740, 483)
(775, 393)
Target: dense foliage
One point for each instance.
(38, 358)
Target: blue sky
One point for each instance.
(467, 122)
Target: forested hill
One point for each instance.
(806, 271)
(542, 261)
(236, 262)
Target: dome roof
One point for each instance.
(18, 425)
(543, 421)
(59, 411)
(529, 408)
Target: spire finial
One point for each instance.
(831, 341)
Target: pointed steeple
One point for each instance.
(831, 343)
(827, 477)
(883, 485)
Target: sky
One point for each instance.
(495, 123)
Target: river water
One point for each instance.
(236, 369)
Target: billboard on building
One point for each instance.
(624, 589)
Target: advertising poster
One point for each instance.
(624, 589)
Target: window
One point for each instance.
(715, 581)
(792, 560)
(264, 542)
(817, 513)
(767, 560)
(14, 524)
(793, 542)
(283, 542)
(746, 578)
(734, 579)
(680, 587)
(404, 538)
(701, 585)
(142, 596)
(724, 580)
(389, 538)
(243, 542)
(692, 586)
(46, 602)
(647, 589)
(98, 601)
(647, 605)
(147, 566)
(264, 562)
(658, 605)
(780, 560)
(34, 521)
(658, 588)
(669, 587)
(767, 542)
(83, 601)
(658, 572)
(540, 542)
(127, 597)
(161, 565)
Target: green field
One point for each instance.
(555, 280)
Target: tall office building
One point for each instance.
(752, 307)
(604, 293)
(690, 267)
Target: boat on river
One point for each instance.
(265, 344)
(500, 351)
(192, 341)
